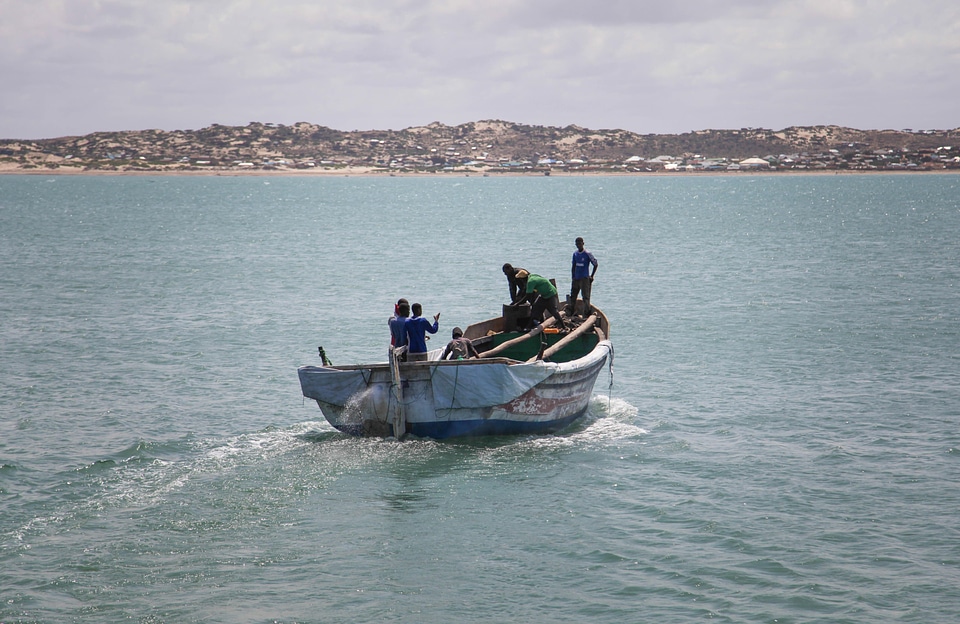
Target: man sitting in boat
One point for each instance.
(459, 348)
(417, 327)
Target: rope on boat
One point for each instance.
(456, 381)
(610, 387)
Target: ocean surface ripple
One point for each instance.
(779, 442)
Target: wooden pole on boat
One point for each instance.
(527, 336)
(399, 418)
(584, 327)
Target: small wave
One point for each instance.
(611, 418)
(315, 437)
(95, 466)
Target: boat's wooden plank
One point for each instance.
(584, 327)
(478, 331)
(527, 336)
(470, 362)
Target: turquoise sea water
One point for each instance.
(780, 442)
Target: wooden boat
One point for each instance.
(533, 382)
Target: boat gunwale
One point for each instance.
(425, 363)
(601, 326)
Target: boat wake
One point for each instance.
(147, 474)
(310, 455)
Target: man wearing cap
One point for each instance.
(581, 277)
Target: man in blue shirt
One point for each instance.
(398, 326)
(397, 323)
(417, 327)
(581, 277)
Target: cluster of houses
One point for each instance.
(377, 155)
(850, 158)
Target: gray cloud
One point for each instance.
(76, 66)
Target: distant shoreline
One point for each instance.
(374, 173)
(484, 148)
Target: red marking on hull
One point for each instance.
(530, 402)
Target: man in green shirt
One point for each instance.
(547, 299)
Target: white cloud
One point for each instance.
(75, 66)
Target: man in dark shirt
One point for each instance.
(517, 280)
(459, 348)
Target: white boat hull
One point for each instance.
(456, 399)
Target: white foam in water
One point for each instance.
(607, 420)
(612, 418)
(148, 484)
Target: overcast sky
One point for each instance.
(70, 67)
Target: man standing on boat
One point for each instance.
(547, 299)
(397, 323)
(581, 278)
(417, 327)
